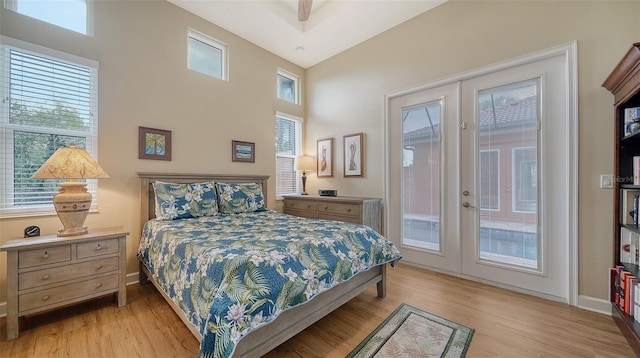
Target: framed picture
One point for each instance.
(325, 158)
(154, 144)
(243, 151)
(353, 155)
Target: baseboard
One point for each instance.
(594, 304)
(131, 279)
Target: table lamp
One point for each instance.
(73, 201)
(304, 163)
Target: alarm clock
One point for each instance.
(31, 231)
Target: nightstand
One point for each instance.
(367, 211)
(48, 272)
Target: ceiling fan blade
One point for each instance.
(304, 9)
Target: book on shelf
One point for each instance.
(625, 291)
(636, 170)
(631, 115)
(627, 202)
(629, 246)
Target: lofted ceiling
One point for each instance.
(333, 26)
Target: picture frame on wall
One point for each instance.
(154, 143)
(243, 151)
(353, 155)
(325, 158)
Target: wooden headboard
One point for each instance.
(147, 199)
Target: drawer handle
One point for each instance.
(349, 210)
(98, 285)
(98, 247)
(46, 255)
(45, 277)
(98, 267)
(45, 298)
(326, 207)
(308, 206)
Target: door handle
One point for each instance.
(467, 205)
(465, 193)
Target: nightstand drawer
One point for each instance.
(50, 255)
(301, 205)
(74, 291)
(95, 248)
(340, 209)
(63, 273)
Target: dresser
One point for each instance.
(47, 272)
(367, 211)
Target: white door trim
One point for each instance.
(570, 51)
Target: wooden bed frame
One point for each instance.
(289, 322)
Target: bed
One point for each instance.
(246, 280)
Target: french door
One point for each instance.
(480, 181)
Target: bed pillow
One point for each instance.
(181, 201)
(240, 198)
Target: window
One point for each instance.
(288, 86)
(49, 100)
(207, 55)
(73, 15)
(288, 146)
(525, 180)
(490, 179)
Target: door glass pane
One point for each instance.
(421, 176)
(508, 174)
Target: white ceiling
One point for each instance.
(334, 25)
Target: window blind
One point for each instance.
(288, 146)
(47, 102)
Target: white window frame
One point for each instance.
(210, 41)
(298, 175)
(90, 16)
(514, 183)
(296, 81)
(7, 209)
(499, 181)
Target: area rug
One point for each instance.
(412, 332)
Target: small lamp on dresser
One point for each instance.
(305, 163)
(73, 201)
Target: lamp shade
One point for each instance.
(70, 163)
(305, 162)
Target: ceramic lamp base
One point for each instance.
(72, 204)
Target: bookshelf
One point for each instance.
(624, 83)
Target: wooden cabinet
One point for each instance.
(624, 83)
(47, 272)
(367, 211)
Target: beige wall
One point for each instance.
(346, 92)
(143, 81)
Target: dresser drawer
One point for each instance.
(44, 298)
(353, 210)
(302, 205)
(63, 273)
(303, 214)
(344, 219)
(50, 255)
(95, 248)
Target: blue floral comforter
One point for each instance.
(231, 274)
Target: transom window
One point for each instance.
(288, 146)
(207, 55)
(73, 15)
(49, 100)
(288, 85)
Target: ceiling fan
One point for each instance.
(304, 10)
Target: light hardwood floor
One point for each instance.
(507, 324)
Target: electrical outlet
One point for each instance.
(606, 181)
